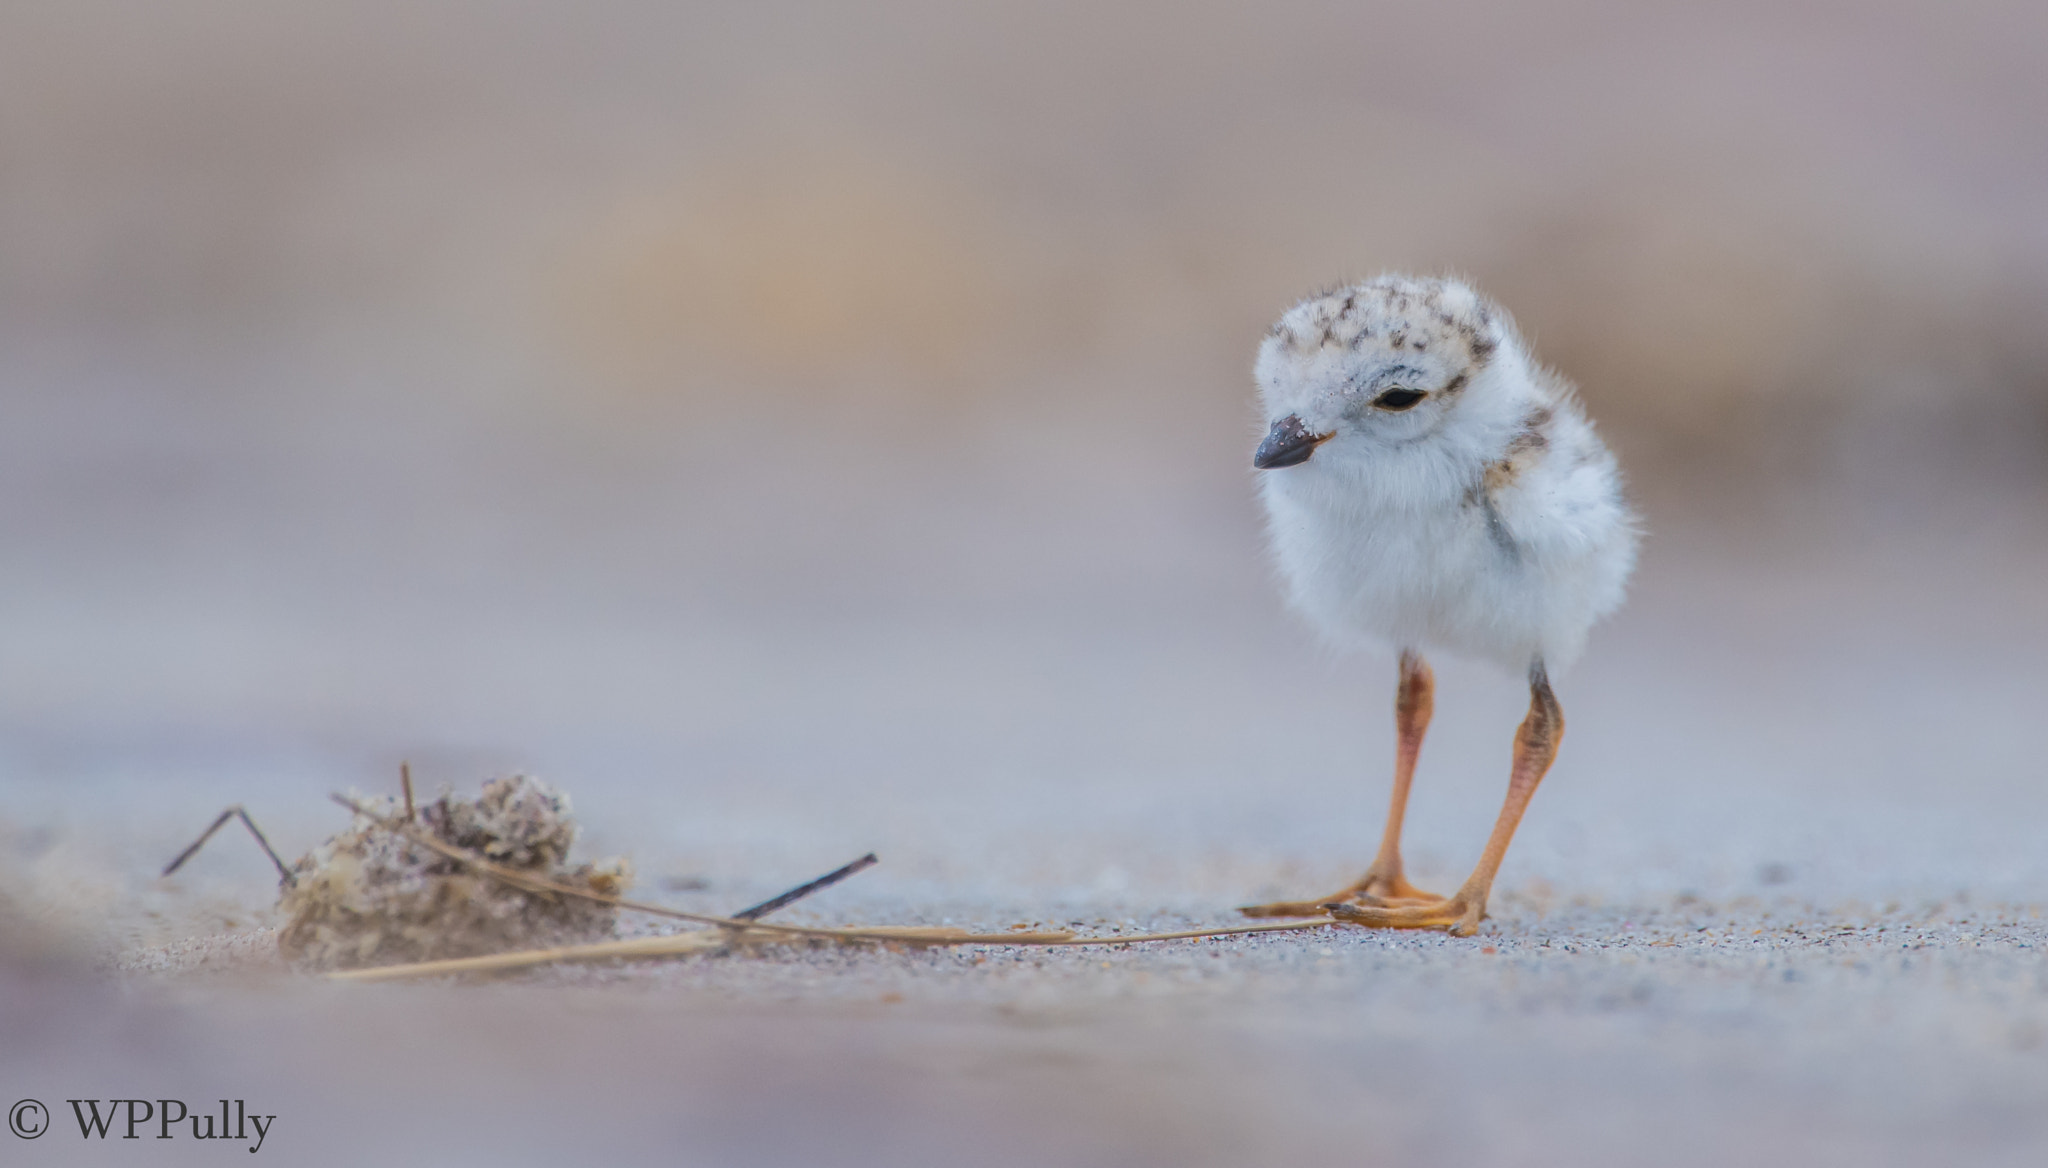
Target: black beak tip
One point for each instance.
(1265, 459)
(1288, 444)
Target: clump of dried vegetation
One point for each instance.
(374, 896)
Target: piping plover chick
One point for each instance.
(1429, 486)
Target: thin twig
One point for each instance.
(802, 890)
(704, 941)
(731, 929)
(405, 780)
(236, 811)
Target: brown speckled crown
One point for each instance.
(1396, 312)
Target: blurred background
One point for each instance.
(806, 428)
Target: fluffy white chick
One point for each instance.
(1429, 486)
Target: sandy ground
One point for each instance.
(1695, 1035)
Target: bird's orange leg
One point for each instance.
(1535, 747)
(1414, 702)
(1384, 883)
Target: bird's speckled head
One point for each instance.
(1375, 364)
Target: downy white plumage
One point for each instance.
(1429, 486)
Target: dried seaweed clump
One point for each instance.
(370, 896)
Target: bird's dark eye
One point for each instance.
(1399, 399)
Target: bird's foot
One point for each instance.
(1457, 915)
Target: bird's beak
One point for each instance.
(1288, 443)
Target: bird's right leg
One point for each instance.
(1384, 883)
(1413, 703)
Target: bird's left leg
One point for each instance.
(1535, 748)
(1384, 882)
